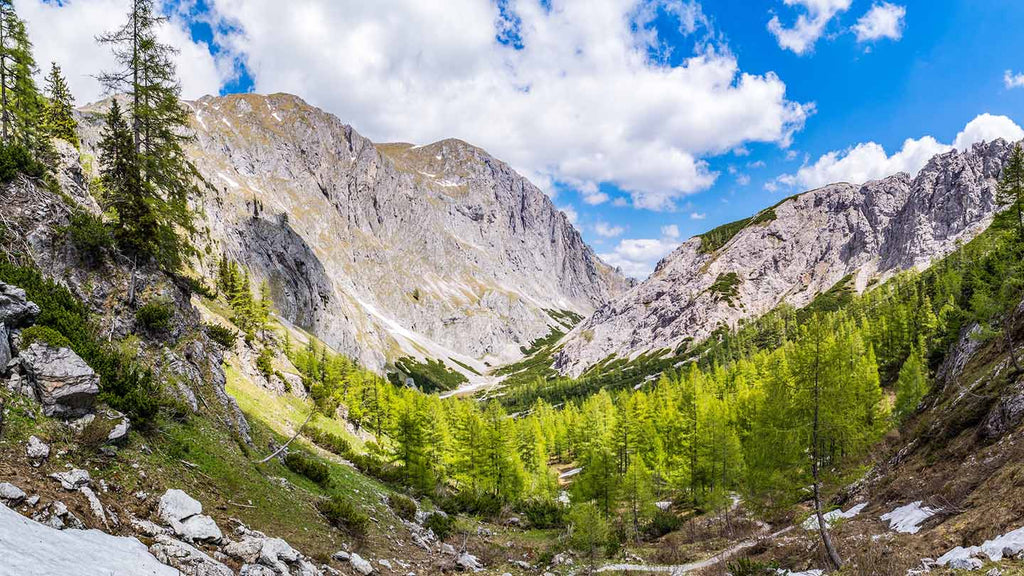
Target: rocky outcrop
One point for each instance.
(793, 252)
(64, 383)
(15, 309)
(386, 250)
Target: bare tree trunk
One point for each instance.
(290, 440)
(833, 556)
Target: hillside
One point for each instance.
(386, 251)
(792, 252)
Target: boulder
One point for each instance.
(15, 309)
(198, 528)
(72, 480)
(256, 570)
(189, 560)
(10, 494)
(57, 515)
(94, 503)
(120, 430)
(5, 348)
(245, 550)
(966, 564)
(360, 565)
(175, 506)
(65, 384)
(37, 450)
(468, 562)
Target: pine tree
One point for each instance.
(159, 130)
(20, 101)
(912, 383)
(58, 116)
(1010, 193)
(120, 176)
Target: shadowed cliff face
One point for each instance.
(387, 250)
(795, 251)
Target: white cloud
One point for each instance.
(594, 197)
(65, 32)
(869, 161)
(698, 215)
(884, 20)
(571, 214)
(809, 26)
(1013, 80)
(743, 179)
(607, 230)
(583, 101)
(636, 257)
(670, 231)
(620, 202)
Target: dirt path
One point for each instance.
(693, 566)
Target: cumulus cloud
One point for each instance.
(1013, 80)
(65, 33)
(884, 20)
(606, 230)
(869, 161)
(809, 26)
(574, 92)
(636, 257)
(698, 215)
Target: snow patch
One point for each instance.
(907, 519)
(833, 516)
(29, 548)
(1009, 544)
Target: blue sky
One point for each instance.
(648, 121)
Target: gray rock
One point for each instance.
(198, 528)
(6, 355)
(245, 550)
(175, 505)
(11, 494)
(966, 564)
(15, 309)
(32, 501)
(72, 480)
(56, 515)
(94, 503)
(803, 247)
(360, 565)
(37, 450)
(66, 385)
(120, 430)
(188, 559)
(148, 528)
(468, 562)
(256, 570)
(278, 554)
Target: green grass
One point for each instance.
(726, 287)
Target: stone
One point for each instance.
(175, 505)
(256, 570)
(56, 515)
(37, 450)
(94, 503)
(198, 528)
(72, 480)
(32, 501)
(120, 430)
(341, 556)
(186, 558)
(6, 355)
(468, 562)
(966, 564)
(246, 550)
(65, 384)
(15, 309)
(385, 563)
(360, 565)
(148, 528)
(11, 494)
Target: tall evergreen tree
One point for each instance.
(120, 176)
(159, 129)
(1011, 188)
(20, 101)
(58, 115)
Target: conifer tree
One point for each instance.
(58, 118)
(1011, 188)
(20, 101)
(159, 130)
(120, 176)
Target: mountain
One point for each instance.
(794, 251)
(387, 250)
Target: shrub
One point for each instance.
(198, 286)
(329, 441)
(309, 466)
(221, 335)
(265, 361)
(44, 334)
(663, 523)
(403, 507)
(16, 159)
(588, 531)
(341, 513)
(441, 524)
(748, 567)
(468, 502)
(90, 235)
(155, 315)
(544, 513)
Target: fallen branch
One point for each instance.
(290, 440)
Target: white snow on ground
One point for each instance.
(1009, 544)
(27, 548)
(227, 179)
(833, 517)
(570, 473)
(907, 519)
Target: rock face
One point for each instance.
(15, 309)
(387, 250)
(65, 384)
(795, 251)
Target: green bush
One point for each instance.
(543, 513)
(663, 523)
(309, 466)
(441, 524)
(16, 159)
(44, 334)
(198, 286)
(221, 335)
(748, 567)
(89, 235)
(329, 441)
(342, 513)
(155, 315)
(404, 507)
(265, 361)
